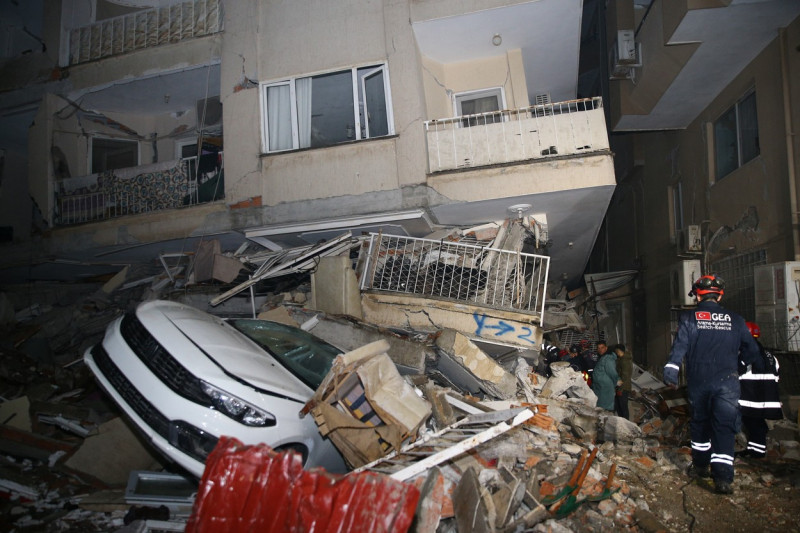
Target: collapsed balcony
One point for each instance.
(570, 128)
(142, 189)
(478, 275)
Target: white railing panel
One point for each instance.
(479, 275)
(560, 129)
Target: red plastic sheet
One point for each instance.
(251, 488)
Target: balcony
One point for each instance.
(143, 29)
(138, 190)
(465, 273)
(570, 128)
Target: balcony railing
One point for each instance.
(145, 29)
(569, 128)
(142, 189)
(482, 276)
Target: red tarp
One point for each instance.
(252, 488)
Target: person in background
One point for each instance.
(605, 380)
(711, 339)
(760, 399)
(549, 353)
(625, 371)
(573, 359)
(589, 357)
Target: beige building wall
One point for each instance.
(370, 32)
(753, 204)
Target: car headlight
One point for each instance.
(236, 408)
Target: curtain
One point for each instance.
(279, 117)
(302, 87)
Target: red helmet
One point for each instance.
(708, 284)
(755, 331)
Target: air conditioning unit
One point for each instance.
(681, 277)
(690, 240)
(777, 299)
(625, 55)
(626, 47)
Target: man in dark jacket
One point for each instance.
(710, 341)
(760, 399)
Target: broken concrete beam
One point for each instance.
(568, 382)
(442, 410)
(21, 443)
(430, 315)
(334, 288)
(431, 501)
(111, 454)
(618, 429)
(459, 351)
(347, 333)
(473, 506)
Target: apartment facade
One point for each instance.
(704, 110)
(158, 124)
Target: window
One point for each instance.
(110, 154)
(477, 102)
(736, 136)
(327, 109)
(676, 204)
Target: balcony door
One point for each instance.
(483, 104)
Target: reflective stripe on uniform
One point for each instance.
(722, 458)
(672, 365)
(760, 405)
(756, 447)
(759, 377)
(701, 446)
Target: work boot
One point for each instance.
(723, 487)
(695, 472)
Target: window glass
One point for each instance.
(304, 355)
(479, 102)
(332, 117)
(748, 120)
(736, 136)
(320, 110)
(727, 151)
(110, 154)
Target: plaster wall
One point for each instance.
(519, 180)
(751, 206)
(371, 32)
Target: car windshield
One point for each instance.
(306, 356)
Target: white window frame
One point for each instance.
(735, 108)
(291, 83)
(458, 98)
(90, 151)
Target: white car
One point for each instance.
(186, 377)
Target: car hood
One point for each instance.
(227, 350)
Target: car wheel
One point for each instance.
(298, 448)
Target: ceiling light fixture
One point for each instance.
(497, 40)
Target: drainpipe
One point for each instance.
(787, 124)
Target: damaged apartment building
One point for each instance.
(151, 126)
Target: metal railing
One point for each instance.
(147, 28)
(570, 128)
(480, 275)
(179, 186)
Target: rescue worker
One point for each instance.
(760, 399)
(590, 358)
(710, 341)
(605, 380)
(550, 354)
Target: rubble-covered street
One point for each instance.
(437, 433)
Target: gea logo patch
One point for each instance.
(705, 315)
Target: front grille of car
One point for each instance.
(199, 443)
(160, 362)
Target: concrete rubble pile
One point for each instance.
(484, 441)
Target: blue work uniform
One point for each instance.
(710, 342)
